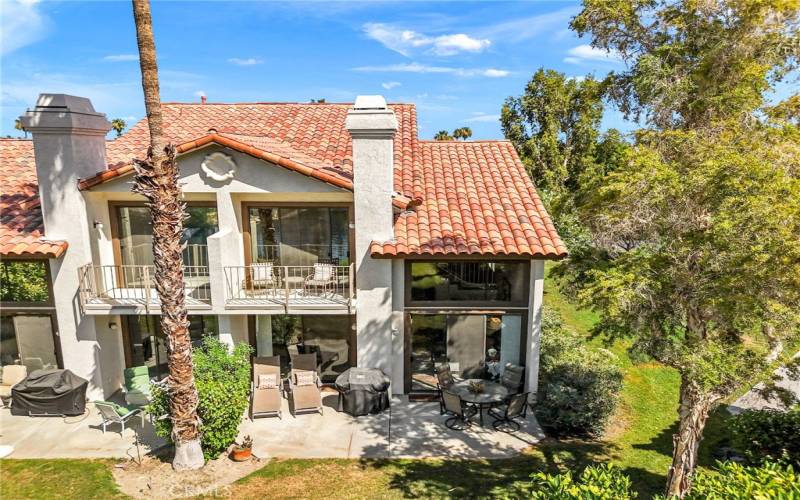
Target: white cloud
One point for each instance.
(199, 93)
(496, 73)
(390, 85)
(250, 61)
(585, 52)
(415, 67)
(121, 57)
(525, 28)
(21, 24)
(405, 41)
(482, 117)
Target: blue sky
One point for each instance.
(457, 61)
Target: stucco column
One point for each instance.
(372, 126)
(534, 333)
(69, 144)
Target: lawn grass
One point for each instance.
(79, 479)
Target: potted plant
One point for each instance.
(243, 451)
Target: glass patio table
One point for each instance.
(492, 395)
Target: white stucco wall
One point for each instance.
(372, 131)
(112, 354)
(534, 333)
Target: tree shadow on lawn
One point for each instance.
(489, 477)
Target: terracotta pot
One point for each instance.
(241, 454)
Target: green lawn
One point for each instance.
(639, 440)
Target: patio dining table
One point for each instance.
(492, 395)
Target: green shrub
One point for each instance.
(223, 385)
(598, 482)
(767, 435)
(735, 481)
(578, 387)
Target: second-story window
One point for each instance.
(299, 236)
(135, 235)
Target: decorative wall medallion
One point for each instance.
(219, 166)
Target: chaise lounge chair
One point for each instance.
(304, 385)
(265, 397)
(137, 385)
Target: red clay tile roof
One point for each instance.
(471, 198)
(21, 232)
(477, 199)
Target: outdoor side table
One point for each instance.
(493, 394)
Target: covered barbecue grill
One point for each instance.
(49, 392)
(363, 391)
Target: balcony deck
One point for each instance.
(256, 288)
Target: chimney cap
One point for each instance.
(370, 102)
(64, 114)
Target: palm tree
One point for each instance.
(118, 124)
(442, 135)
(18, 126)
(157, 180)
(462, 133)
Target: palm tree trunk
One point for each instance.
(693, 413)
(157, 180)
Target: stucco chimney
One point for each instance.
(69, 144)
(372, 125)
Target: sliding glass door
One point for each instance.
(474, 345)
(299, 236)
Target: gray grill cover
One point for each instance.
(49, 392)
(363, 391)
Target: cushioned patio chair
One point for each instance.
(461, 413)
(12, 375)
(304, 385)
(444, 380)
(504, 416)
(513, 377)
(112, 413)
(137, 385)
(263, 275)
(267, 389)
(322, 278)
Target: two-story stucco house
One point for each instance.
(323, 227)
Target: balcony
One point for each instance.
(107, 289)
(287, 288)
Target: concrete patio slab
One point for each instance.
(407, 430)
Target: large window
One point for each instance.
(299, 236)
(147, 346)
(474, 345)
(24, 281)
(468, 281)
(331, 338)
(27, 339)
(135, 235)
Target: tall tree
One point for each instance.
(157, 180)
(701, 224)
(554, 126)
(118, 124)
(462, 133)
(693, 62)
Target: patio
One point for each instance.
(409, 430)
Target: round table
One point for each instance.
(493, 394)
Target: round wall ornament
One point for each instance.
(219, 166)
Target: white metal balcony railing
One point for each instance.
(290, 285)
(134, 285)
(301, 254)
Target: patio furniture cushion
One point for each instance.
(268, 381)
(14, 374)
(304, 378)
(262, 273)
(119, 409)
(322, 272)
